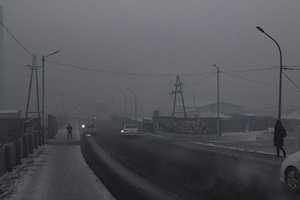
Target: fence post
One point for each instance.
(35, 139)
(8, 161)
(30, 143)
(39, 137)
(25, 146)
(43, 137)
(18, 152)
(2, 161)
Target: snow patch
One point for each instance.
(11, 181)
(232, 148)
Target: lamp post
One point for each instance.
(218, 100)
(43, 86)
(280, 71)
(135, 105)
(125, 100)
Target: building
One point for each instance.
(210, 110)
(10, 114)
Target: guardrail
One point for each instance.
(19, 138)
(11, 130)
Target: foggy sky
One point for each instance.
(145, 43)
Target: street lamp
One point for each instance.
(135, 105)
(280, 71)
(218, 101)
(43, 86)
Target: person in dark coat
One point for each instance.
(279, 134)
(69, 128)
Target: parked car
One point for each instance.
(88, 128)
(289, 172)
(130, 130)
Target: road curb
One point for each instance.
(124, 180)
(230, 152)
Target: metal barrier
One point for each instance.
(11, 129)
(19, 138)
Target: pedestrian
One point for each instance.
(279, 134)
(69, 128)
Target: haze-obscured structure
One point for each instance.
(1, 64)
(110, 46)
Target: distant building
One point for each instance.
(210, 110)
(161, 123)
(10, 114)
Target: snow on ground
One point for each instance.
(11, 181)
(249, 136)
(232, 148)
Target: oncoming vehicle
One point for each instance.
(130, 130)
(289, 172)
(88, 128)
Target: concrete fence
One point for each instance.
(11, 154)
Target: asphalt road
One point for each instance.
(187, 173)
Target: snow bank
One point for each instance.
(10, 181)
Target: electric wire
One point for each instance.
(169, 75)
(200, 80)
(154, 75)
(256, 81)
(291, 81)
(252, 70)
(124, 73)
(15, 39)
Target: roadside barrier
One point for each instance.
(12, 153)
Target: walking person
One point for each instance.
(279, 134)
(69, 128)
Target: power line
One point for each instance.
(123, 73)
(256, 81)
(15, 39)
(151, 75)
(252, 70)
(292, 66)
(291, 81)
(289, 68)
(169, 75)
(249, 79)
(200, 80)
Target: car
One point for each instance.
(88, 128)
(289, 172)
(129, 130)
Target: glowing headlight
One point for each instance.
(83, 126)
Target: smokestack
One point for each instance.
(1, 62)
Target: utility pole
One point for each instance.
(178, 89)
(43, 87)
(135, 105)
(125, 109)
(63, 103)
(34, 69)
(218, 100)
(194, 99)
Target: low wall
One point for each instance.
(12, 154)
(2, 161)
